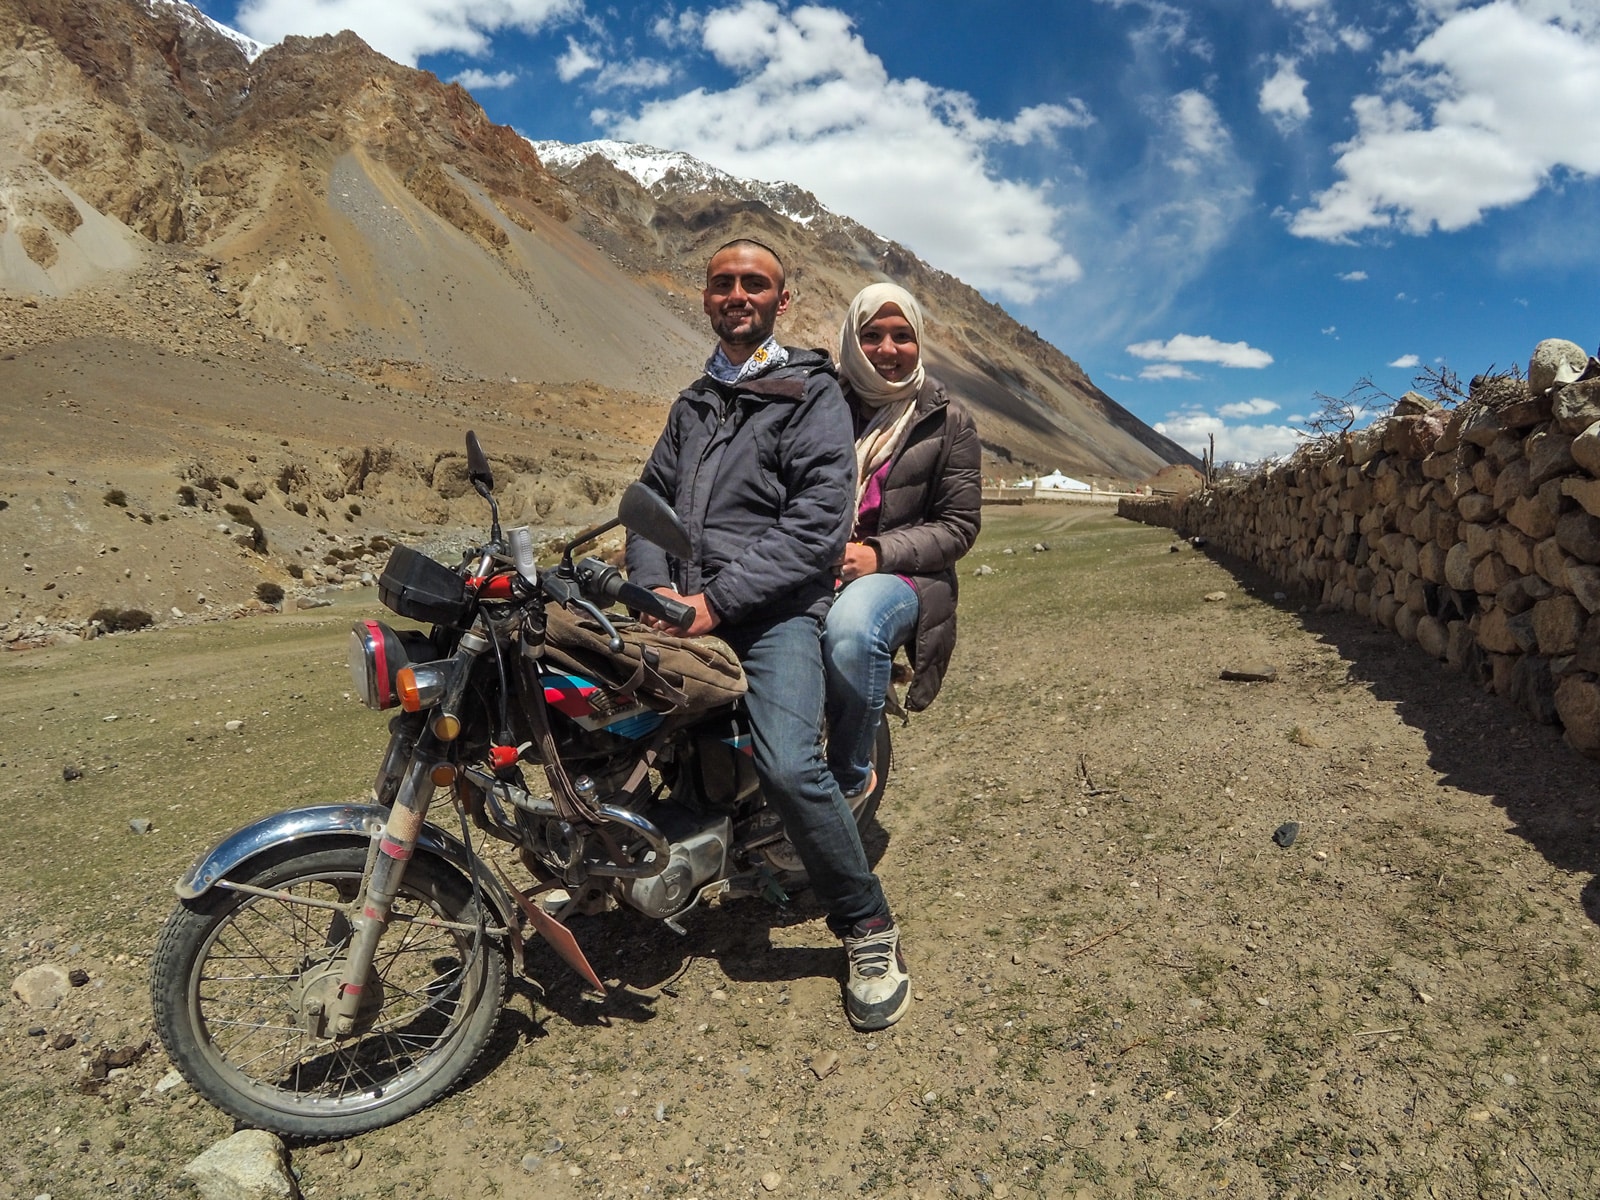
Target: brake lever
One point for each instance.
(614, 641)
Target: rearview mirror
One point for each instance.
(645, 513)
(478, 472)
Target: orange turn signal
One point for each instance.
(405, 683)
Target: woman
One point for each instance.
(918, 494)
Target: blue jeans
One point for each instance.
(783, 663)
(871, 618)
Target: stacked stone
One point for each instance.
(1474, 533)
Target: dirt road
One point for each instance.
(1125, 987)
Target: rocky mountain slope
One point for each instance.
(251, 299)
(1035, 406)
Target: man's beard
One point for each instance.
(728, 329)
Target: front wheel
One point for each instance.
(237, 978)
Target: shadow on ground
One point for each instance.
(1477, 741)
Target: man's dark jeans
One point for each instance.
(783, 662)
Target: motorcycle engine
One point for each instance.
(699, 852)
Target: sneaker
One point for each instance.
(878, 991)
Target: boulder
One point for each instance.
(1480, 425)
(1491, 574)
(1521, 627)
(1578, 534)
(1494, 634)
(1458, 565)
(1430, 562)
(1550, 562)
(1414, 404)
(1586, 449)
(1577, 406)
(1525, 412)
(1555, 361)
(1405, 623)
(1558, 623)
(1587, 657)
(1584, 580)
(1533, 516)
(1459, 644)
(1585, 491)
(1480, 540)
(43, 986)
(250, 1165)
(1516, 548)
(1514, 482)
(1475, 506)
(1533, 689)
(1433, 637)
(1504, 450)
(1549, 454)
(1577, 702)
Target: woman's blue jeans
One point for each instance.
(871, 618)
(783, 663)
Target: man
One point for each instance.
(758, 459)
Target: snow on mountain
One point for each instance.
(658, 171)
(188, 13)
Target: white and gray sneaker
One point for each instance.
(878, 991)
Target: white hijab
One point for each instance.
(873, 389)
(893, 403)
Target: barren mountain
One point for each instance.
(250, 300)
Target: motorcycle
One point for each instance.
(334, 969)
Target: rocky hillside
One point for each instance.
(250, 300)
(1035, 406)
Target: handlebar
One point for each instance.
(600, 579)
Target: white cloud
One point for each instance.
(1200, 129)
(1354, 276)
(1161, 372)
(1510, 88)
(1283, 95)
(810, 104)
(1235, 443)
(681, 29)
(1165, 29)
(476, 81)
(1185, 347)
(1304, 6)
(1331, 331)
(1407, 361)
(578, 60)
(639, 73)
(1247, 408)
(403, 29)
(1355, 39)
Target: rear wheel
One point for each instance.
(866, 805)
(781, 855)
(237, 978)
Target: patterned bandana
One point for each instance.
(768, 356)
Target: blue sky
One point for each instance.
(1219, 208)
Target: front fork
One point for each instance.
(386, 862)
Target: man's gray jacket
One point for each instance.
(762, 472)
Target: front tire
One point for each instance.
(232, 974)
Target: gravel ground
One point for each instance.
(1125, 985)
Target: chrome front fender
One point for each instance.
(343, 821)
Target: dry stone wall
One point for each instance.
(1473, 532)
